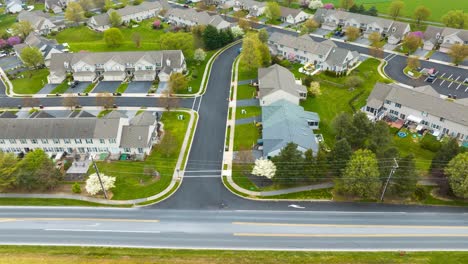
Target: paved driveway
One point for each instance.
(106, 87)
(138, 87)
(48, 88)
(79, 88)
(444, 57)
(10, 62)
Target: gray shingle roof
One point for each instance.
(286, 11)
(32, 128)
(284, 122)
(303, 43)
(200, 18)
(322, 13)
(143, 119)
(103, 19)
(275, 78)
(431, 33)
(135, 137)
(422, 98)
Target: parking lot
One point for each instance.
(451, 83)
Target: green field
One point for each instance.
(245, 136)
(437, 7)
(6, 20)
(91, 255)
(32, 82)
(250, 111)
(45, 202)
(132, 181)
(245, 91)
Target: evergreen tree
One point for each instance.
(448, 150)
(289, 165)
(372, 11)
(361, 129)
(340, 156)
(354, 9)
(403, 183)
(361, 9)
(342, 124)
(212, 38)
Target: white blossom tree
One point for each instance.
(314, 4)
(93, 186)
(199, 55)
(265, 168)
(237, 31)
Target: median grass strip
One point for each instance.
(92, 255)
(31, 82)
(133, 180)
(61, 88)
(122, 87)
(90, 87)
(47, 202)
(320, 194)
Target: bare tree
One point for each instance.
(105, 100)
(244, 160)
(30, 102)
(70, 100)
(168, 101)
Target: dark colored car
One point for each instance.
(342, 33)
(74, 84)
(430, 79)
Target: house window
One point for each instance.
(397, 105)
(127, 150)
(78, 141)
(2, 141)
(89, 141)
(34, 141)
(424, 113)
(442, 119)
(393, 112)
(102, 141)
(12, 141)
(402, 116)
(312, 123)
(388, 102)
(56, 141)
(66, 141)
(44, 141)
(424, 122)
(23, 141)
(140, 150)
(149, 67)
(112, 140)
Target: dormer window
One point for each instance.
(393, 29)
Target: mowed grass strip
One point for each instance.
(33, 81)
(92, 255)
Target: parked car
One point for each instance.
(431, 78)
(74, 84)
(186, 6)
(2, 54)
(342, 33)
(466, 80)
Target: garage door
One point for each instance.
(114, 77)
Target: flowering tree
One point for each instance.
(157, 24)
(314, 4)
(237, 31)
(418, 34)
(291, 56)
(3, 43)
(328, 6)
(14, 40)
(93, 186)
(265, 168)
(199, 55)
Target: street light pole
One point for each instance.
(99, 177)
(395, 166)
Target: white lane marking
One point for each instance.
(193, 105)
(466, 89)
(450, 76)
(442, 75)
(450, 84)
(441, 82)
(202, 176)
(199, 103)
(459, 86)
(296, 206)
(102, 230)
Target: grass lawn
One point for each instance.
(240, 179)
(245, 91)
(33, 81)
(6, 20)
(438, 8)
(409, 145)
(415, 73)
(45, 202)
(82, 38)
(103, 113)
(251, 111)
(131, 181)
(61, 88)
(92, 255)
(336, 99)
(90, 87)
(436, 201)
(122, 87)
(244, 74)
(196, 73)
(312, 194)
(245, 136)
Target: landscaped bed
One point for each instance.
(132, 182)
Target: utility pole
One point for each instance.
(395, 166)
(99, 177)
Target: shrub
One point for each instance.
(76, 188)
(285, 63)
(420, 193)
(431, 143)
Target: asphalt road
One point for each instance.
(280, 230)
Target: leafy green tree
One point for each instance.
(76, 188)
(37, 171)
(361, 176)
(457, 171)
(448, 150)
(346, 4)
(458, 53)
(86, 4)
(22, 29)
(342, 125)
(374, 38)
(354, 81)
(310, 25)
(136, 37)
(352, 33)
(421, 13)
(372, 11)
(199, 55)
(32, 57)
(412, 62)
(404, 181)
(456, 19)
(123, 3)
(74, 12)
(99, 4)
(272, 11)
(340, 156)
(8, 168)
(395, 8)
(211, 38)
(361, 9)
(177, 82)
(265, 54)
(137, 2)
(251, 56)
(178, 41)
(362, 127)
(263, 35)
(115, 19)
(412, 42)
(289, 165)
(113, 37)
(108, 4)
(380, 136)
